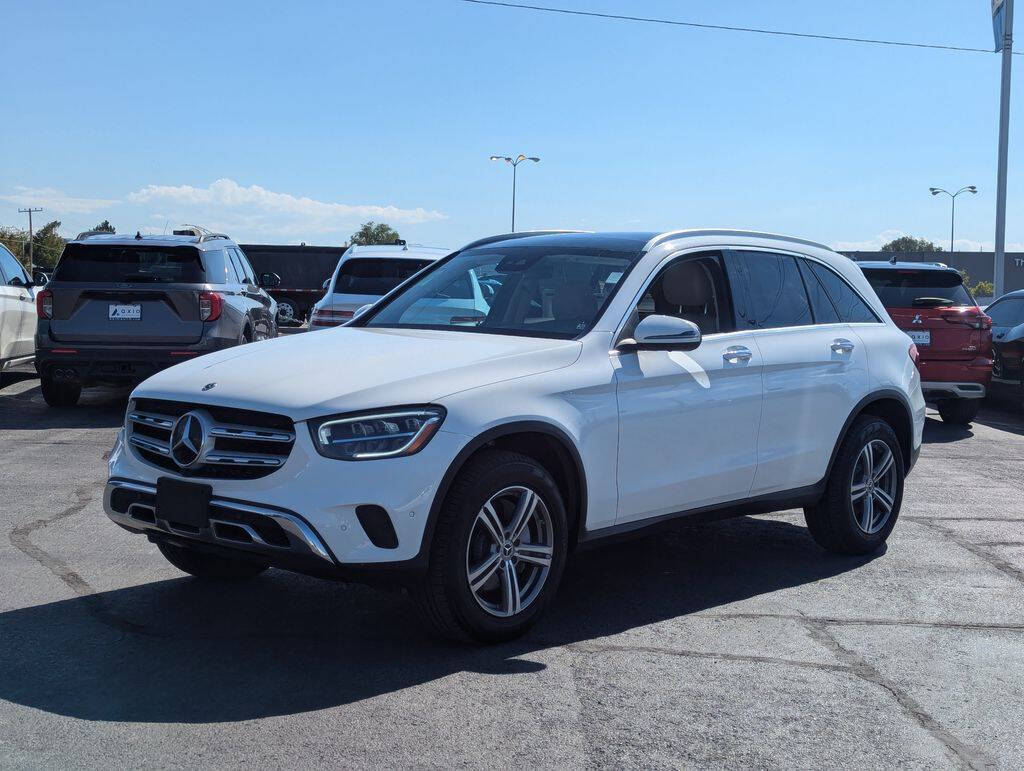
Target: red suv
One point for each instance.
(930, 303)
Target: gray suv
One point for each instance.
(119, 308)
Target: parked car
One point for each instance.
(1007, 314)
(930, 303)
(17, 313)
(119, 308)
(617, 381)
(303, 271)
(364, 275)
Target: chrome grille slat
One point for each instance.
(242, 459)
(252, 434)
(152, 419)
(152, 445)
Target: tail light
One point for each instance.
(326, 317)
(44, 304)
(974, 319)
(210, 304)
(914, 355)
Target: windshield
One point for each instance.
(512, 290)
(376, 276)
(130, 265)
(918, 288)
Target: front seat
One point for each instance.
(686, 292)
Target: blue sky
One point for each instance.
(287, 122)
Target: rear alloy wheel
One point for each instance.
(212, 566)
(498, 550)
(863, 492)
(959, 412)
(57, 394)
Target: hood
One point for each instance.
(352, 368)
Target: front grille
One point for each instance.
(243, 444)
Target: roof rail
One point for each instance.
(669, 235)
(201, 234)
(517, 234)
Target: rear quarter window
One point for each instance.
(103, 264)
(848, 304)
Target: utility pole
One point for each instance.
(1004, 140)
(29, 211)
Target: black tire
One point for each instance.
(832, 522)
(288, 312)
(445, 599)
(959, 412)
(59, 394)
(211, 566)
(246, 336)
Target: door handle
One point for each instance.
(842, 345)
(736, 354)
(22, 297)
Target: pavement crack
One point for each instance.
(997, 562)
(839, 621)
(21, 538)
(968, 756)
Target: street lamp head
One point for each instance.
(521, 157)
(934, 190)
(972, 189)
(534, 158)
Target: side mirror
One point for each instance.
(270, 280)
(16, 281)
(361, 310)
(662, 333)
(326, 284)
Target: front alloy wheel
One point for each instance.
(508, 555)
(498, 549)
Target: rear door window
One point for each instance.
(110, 264)
(899, 288)
(767, 290)
(849, 305)
(375, 276)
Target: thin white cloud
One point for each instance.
(56, 202)
(228, 206)
(960, 244)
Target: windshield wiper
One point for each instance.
(931, 302)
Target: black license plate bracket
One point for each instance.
(183, 503)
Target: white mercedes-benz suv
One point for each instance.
(612, 382)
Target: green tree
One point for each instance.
(910, 244)
(983, 289)
(105, 227)
(375, 233)
(47, 244)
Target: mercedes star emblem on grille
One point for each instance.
(187, 439)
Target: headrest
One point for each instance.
(687, 283)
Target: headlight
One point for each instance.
(379, 434)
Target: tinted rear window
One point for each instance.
(366, 275)
(909, 288)
(130, 265)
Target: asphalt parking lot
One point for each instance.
(734, 644)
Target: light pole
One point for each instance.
(514, 162)
(952, 214)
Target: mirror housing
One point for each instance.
(361, 310)
(16, 281)
(326, 284)
(270, 280)
(662, 333)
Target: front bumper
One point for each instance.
(320, 493)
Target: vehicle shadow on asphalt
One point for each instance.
(23, 408)
(185, 651)
(937, 432)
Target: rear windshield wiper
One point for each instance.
(931, 302)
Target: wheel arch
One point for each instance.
(891, 406)
(546, 443)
